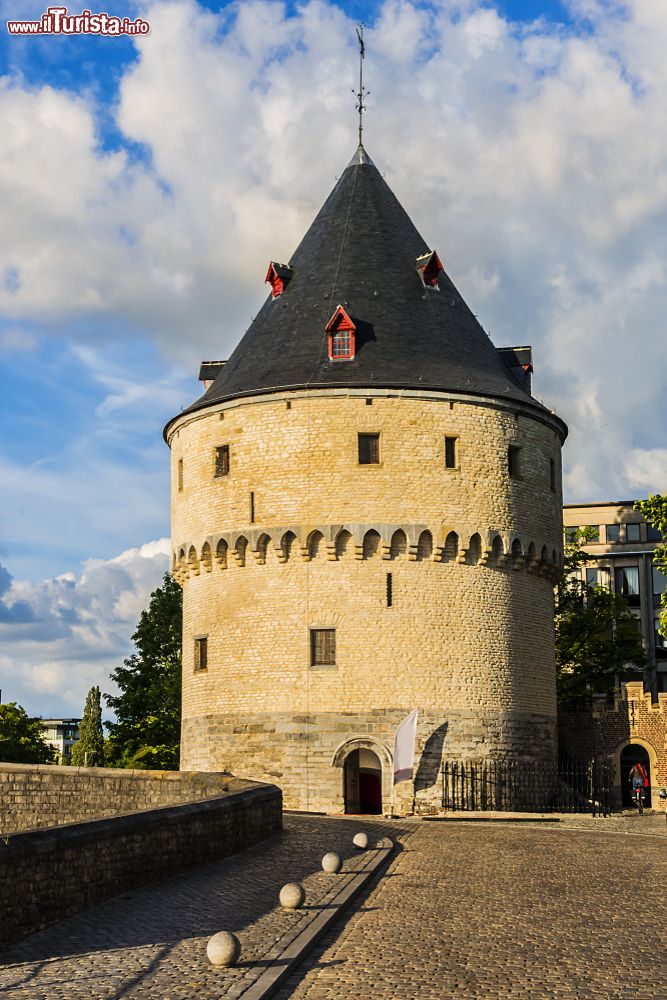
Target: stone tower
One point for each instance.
(366, 520)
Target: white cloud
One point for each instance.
(533, 157)
(62, 635)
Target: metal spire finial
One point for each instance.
(362, 92)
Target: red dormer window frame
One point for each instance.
(341, 336)
(429, 268)
(275, 279)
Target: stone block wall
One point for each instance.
(608, 729)
(298, 535)
(46, 875)
(37, 796)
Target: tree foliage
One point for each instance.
(88, 751)
(21, 738)
(596, 635)
(655, 512)
(146, 733)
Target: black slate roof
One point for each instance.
(360, 252)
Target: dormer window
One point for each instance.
(277, 276)
(341, 336)
(429, 267)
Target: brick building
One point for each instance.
(633, 727)
(366, 520)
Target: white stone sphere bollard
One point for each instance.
(292, 896)
(223, 948)
(360, 840)
(331, 863)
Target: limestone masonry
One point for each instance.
(366, 519)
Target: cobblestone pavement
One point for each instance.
(151, 942)
(466, 910)
(477, 910)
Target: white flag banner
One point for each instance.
(404, 748)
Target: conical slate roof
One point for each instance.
(360, 253)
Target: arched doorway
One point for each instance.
(363, 782)
(633, 754)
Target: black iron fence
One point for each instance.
(528, 786)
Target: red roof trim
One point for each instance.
(340, 321)
(429, 268)
(277, 276)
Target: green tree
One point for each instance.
(655, 511)
(146, 733)
(596, 634)
(21, 738)
(88, 751)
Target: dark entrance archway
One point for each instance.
(363, 782)
(631, 755)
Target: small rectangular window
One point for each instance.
(571, 533)
(627, 584)
(552, 474)
(594, 533)
(341, 344)
(369, 449)
(323, 647)
(450, 452)
(514, 461)
(653, 534)
(180, 475)
(613, 532)
(659, 585)
(222, 461)
(390, 590)
(597, 577)
(252, 508)
(632, 533)
(201, 652)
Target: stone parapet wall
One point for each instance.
(305, 754)
(34, 796)
(46, 875)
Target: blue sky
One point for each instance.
(144, 185)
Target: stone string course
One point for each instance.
(334, 542)
(48, 874)
(467, 640)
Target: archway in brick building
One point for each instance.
(633, 754)
(363, 782)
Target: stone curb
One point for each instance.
(491, 819)
(291, 957)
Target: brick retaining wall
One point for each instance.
(47, 874)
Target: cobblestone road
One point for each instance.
(466, 910)
(494, 911)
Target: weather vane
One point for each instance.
(362, 92)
